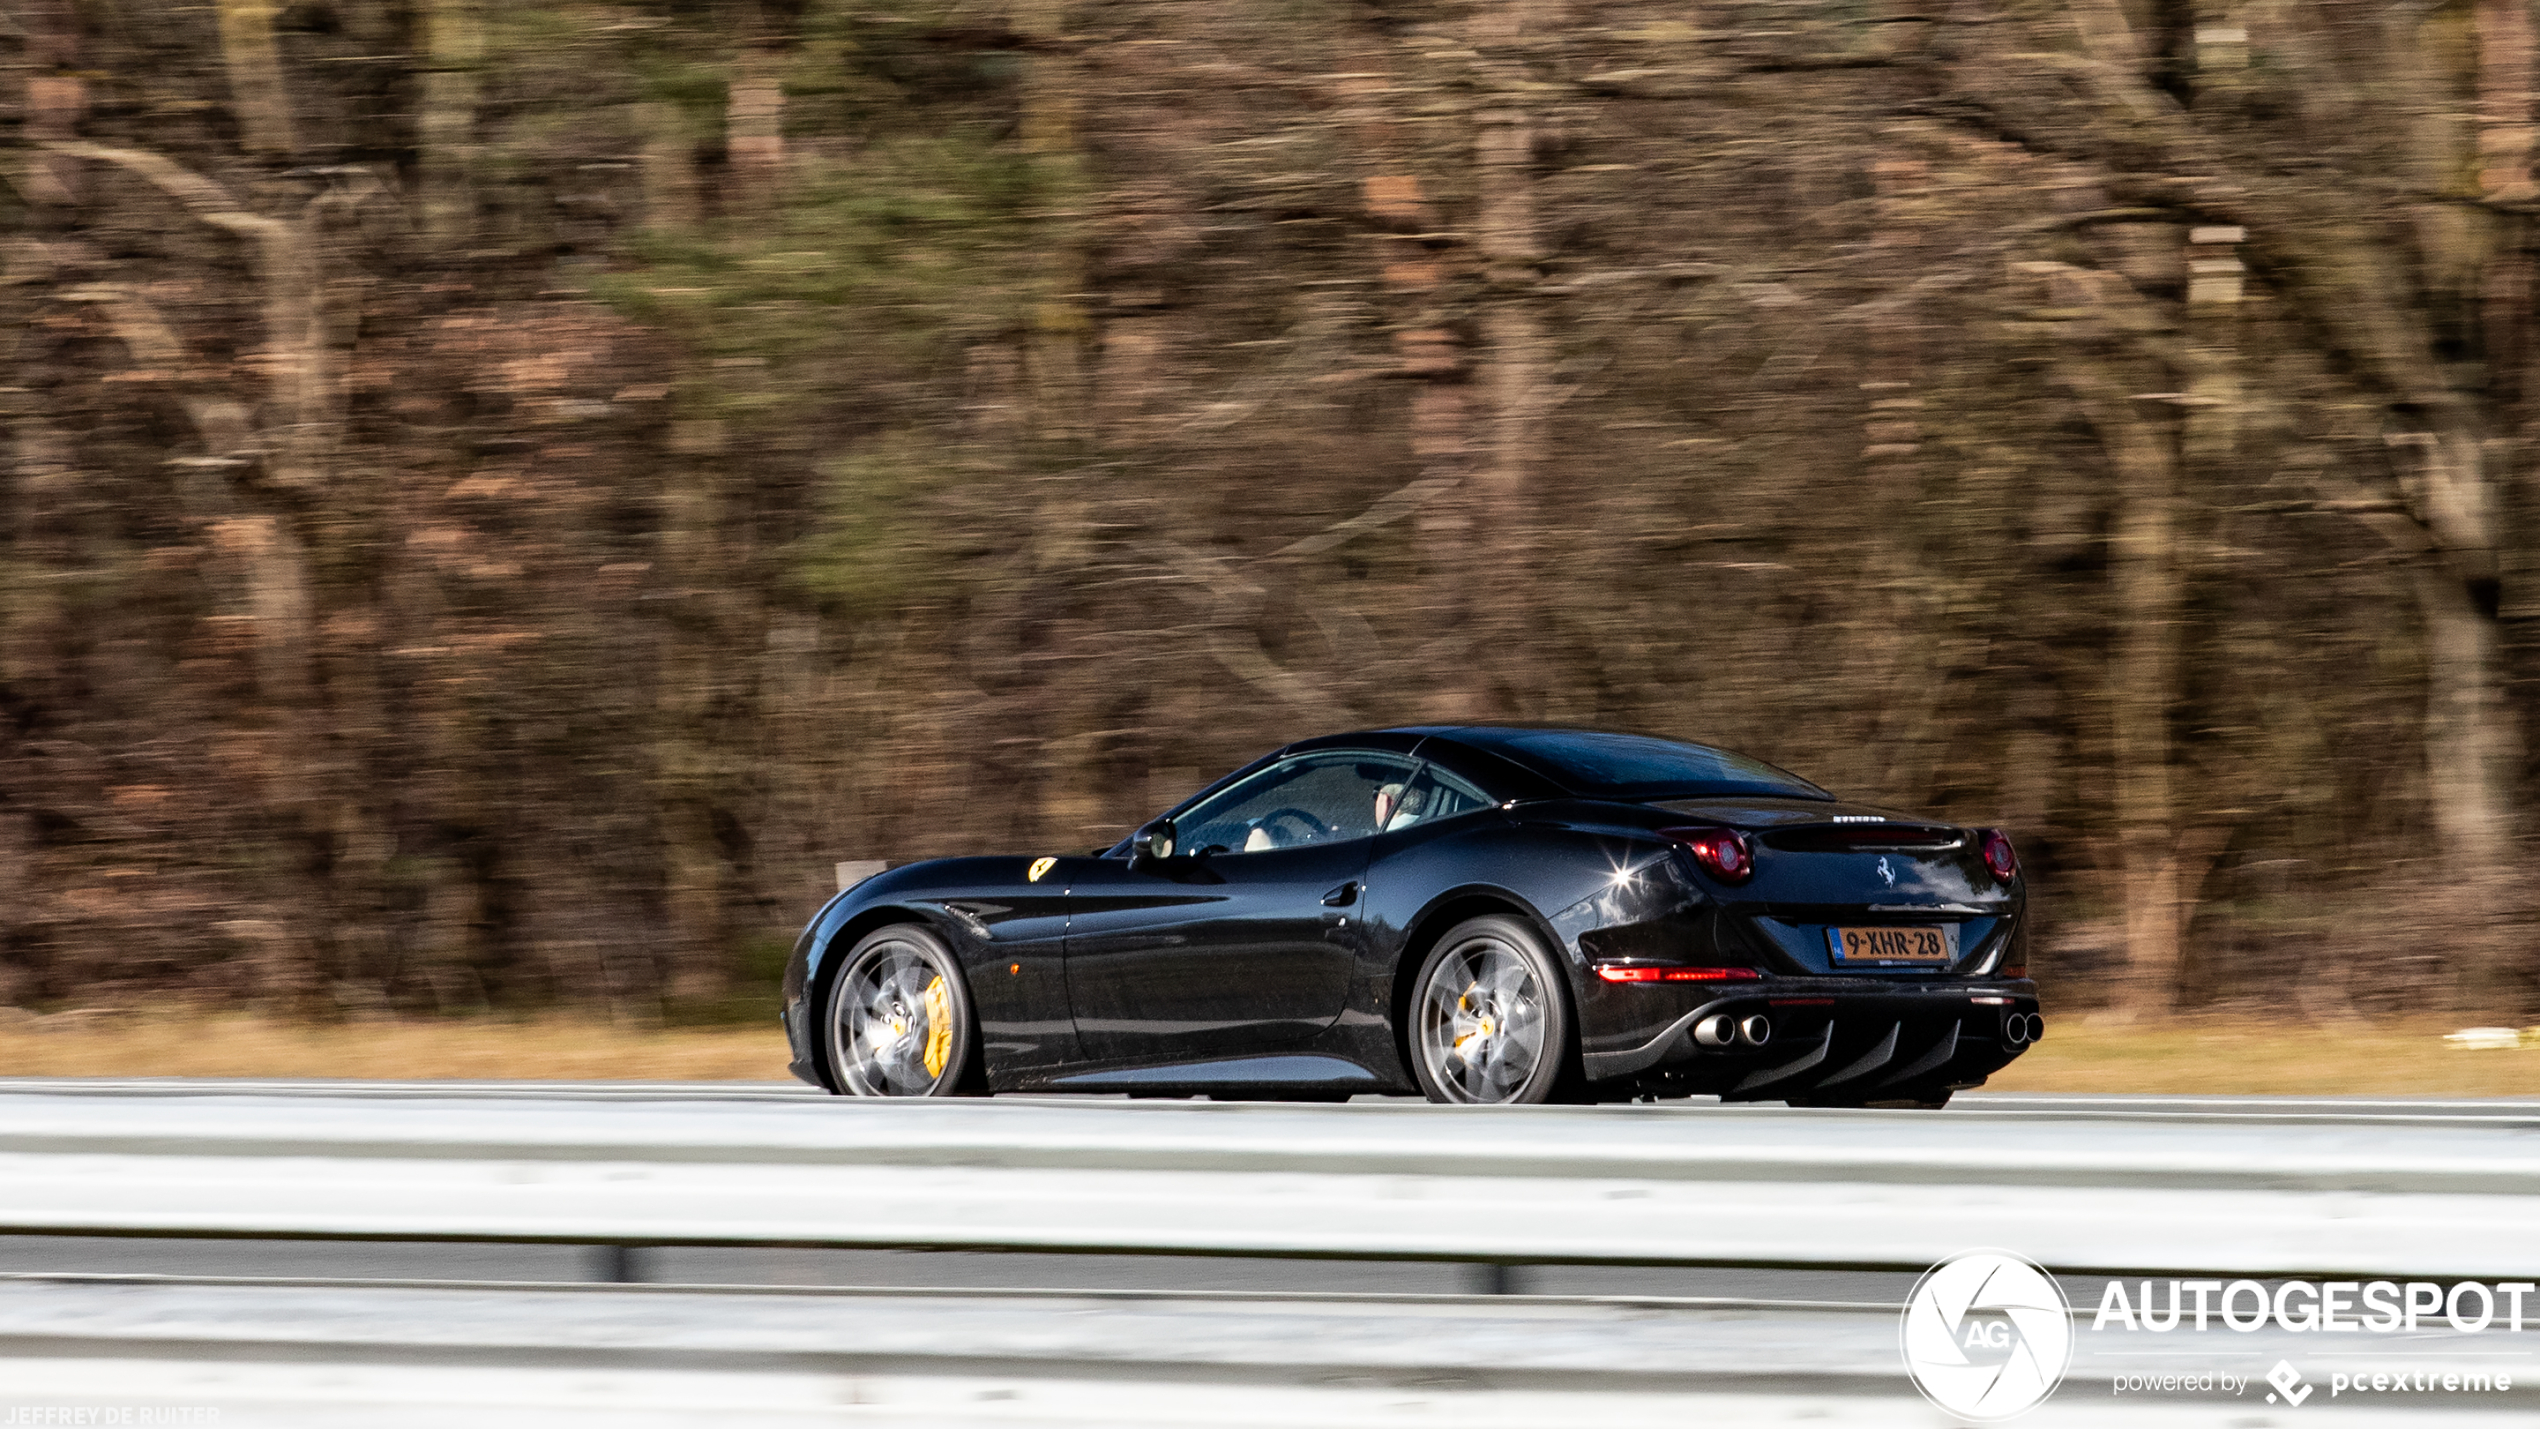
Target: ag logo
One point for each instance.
(1987, 1335)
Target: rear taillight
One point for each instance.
(1997, 854)
(1723, 853)
(1615, 972)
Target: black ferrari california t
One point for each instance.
(1478, 913)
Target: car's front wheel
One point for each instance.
(1489, 1019)
(899, 1022)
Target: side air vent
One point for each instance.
(1854, 838)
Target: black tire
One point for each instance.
(1489, 1019)
(898, 1021)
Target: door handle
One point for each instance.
(1342, 896)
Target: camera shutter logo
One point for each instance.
(1987, 1335)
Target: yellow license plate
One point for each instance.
(1907, 947)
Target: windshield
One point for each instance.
(1635, 766)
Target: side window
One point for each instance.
(1314, 798)
(1434, 795)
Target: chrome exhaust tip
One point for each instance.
(1715, 1031)
(2015, 1028)
(2036, 1028)
(1756, 1030)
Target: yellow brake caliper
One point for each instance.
(938, 1027)
(1481, 1025)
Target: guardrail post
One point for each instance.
(617, 1264)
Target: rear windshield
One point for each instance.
(1635, 766)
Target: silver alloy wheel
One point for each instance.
(1481, 1022)
(892, 1034)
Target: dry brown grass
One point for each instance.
(232, 1045)
(2406, 1058)
(2394, 1058)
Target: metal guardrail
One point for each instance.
(1508, 1186)
(291, 1353)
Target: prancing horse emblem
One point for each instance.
(1887, 873)
(1044, 865)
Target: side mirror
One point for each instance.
(1152, 843)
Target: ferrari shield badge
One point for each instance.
(1039, 867)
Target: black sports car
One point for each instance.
(1480, 913)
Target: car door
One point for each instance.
(1247, 938)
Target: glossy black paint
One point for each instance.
(1281, 973)
(1210, 957)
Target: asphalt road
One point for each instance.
(953, 1270)
(2064, 1104)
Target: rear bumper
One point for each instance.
(1836, 1037)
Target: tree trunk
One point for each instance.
(454, 42)
(1061, 327)
(696, 669)
(1514, 345)
(1068, 805)
(2143, 682)
(670, 165)
(2469, 760)
(1427, 353)
(257, 95)
(754, 130)
(2505, 85)
(1515, 364)
(2119, 388)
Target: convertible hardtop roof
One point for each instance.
(1599, 764)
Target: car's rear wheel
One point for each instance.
(899, 1022)
(1490, 1018)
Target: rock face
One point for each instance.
(503, 499)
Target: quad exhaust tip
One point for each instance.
(1722, 1030)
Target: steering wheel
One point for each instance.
(1315, 829)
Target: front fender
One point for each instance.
(848, 915)
(1003, 927)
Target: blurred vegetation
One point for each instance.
(502, 497)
